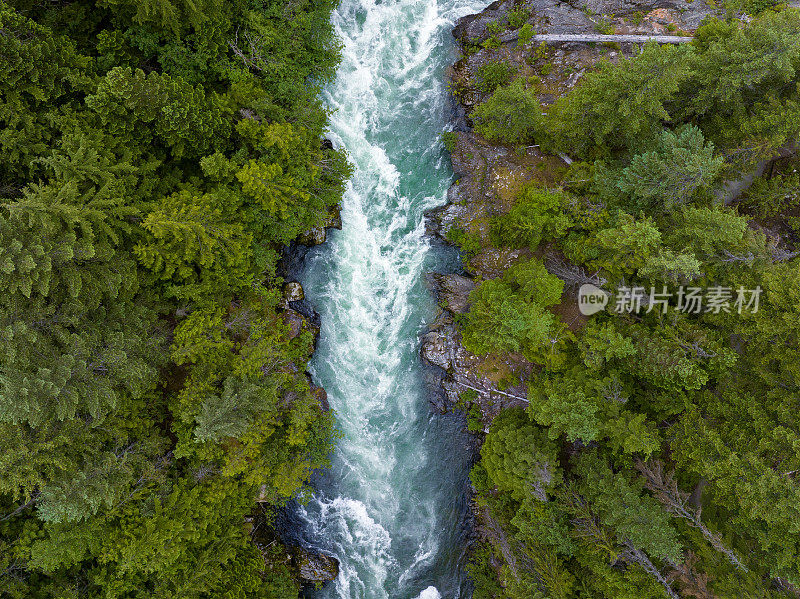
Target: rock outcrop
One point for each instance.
(467, 379)
(308, 566)
(299, 323)
(318, 235)
(453, 291)
(315, 236)
(293, 292)
(314, 567)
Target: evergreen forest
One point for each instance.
(155, 156)
(656, 452)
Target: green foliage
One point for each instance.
(502, 321)
(716, 235)
(679, 167)
(194, 249)
(537, 215)
(154, 162)
(474, 419)
(174, 113)
(710, 393)
(102, 482)
(74, 341)
(761, 500)
(601, 343)
(267, 184)
(494, 27)
(493, 74)
(519, 458)
(482, 576)
(492, 42)
(566, 409)
(669, 266)
(38, 68)
(619, 107)
(512, 115)
(710, 84)
(526, 34)
(469, 243)
(449, 140)
(604, 27)
(626, 248)
(621, 505)
(509, 314)
(517, 17)
(729, 69)
(769, 198)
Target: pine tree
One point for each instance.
(537, 215)
(136, 106)
(73, 338)
(519, 458)
(620, 108)
(633, 516)
(672, 174)
(509, 314)
(194, 248)
(513, 115)
(267, 184)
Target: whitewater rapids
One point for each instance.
(391, 509)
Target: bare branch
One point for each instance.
(572, 274)
(666, 491)
(488, 393)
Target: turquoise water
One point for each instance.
(392, 507)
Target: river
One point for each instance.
(392, 507)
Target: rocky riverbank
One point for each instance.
(308, 567)
(298, 313)
(489, 175)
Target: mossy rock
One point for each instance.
(315, 567)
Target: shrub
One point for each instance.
(537, 214)
(491, 43)
(512, 115)
(469, 243)
(493, 74)
(494, 27)
(526, 34)
(604, 27)
(449, 139)
(517, 17)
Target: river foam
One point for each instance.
(389, 508)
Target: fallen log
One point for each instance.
(597, 37)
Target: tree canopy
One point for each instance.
(656, 455)
(156, 157)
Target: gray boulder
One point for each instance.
(315, 567)
(293, 291)
(453, 291)
(315, 236)
(436, 349)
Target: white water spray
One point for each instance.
(388, 511)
